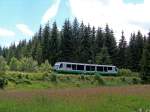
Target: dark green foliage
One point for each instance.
(127, 73)
(85, 54)
(103, 57)
(136, 81)
(122, 52)
(135, 51)
(45, 43)
(99, 40)
(82, 77)
(99, 79)
(54, 45)
(110, 43)
(145, 62)
(50, 77)
(76, 40)
(53, 77)
(66, 42)
(3, 82)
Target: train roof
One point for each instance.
(84, 64)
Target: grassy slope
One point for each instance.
(43, 80)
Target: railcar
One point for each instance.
(82, 68)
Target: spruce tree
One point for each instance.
(122, 50)
(45, 44)
(132, 52)
(67, 43)
(39, 46)
(54, 44)
(145, 61)
(139, 49)
(103, 57)
(135, 51)
(85, 47)
(76, 40)
(99, 40)
(111, 45)
(93, 44)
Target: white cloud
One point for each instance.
(6, 33)
(25, 29)
(120, 16)
(51, 12)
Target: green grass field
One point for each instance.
(101, 99)
(42, 92)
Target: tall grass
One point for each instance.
(86, 103)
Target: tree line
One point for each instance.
(77, 42)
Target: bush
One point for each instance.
(22, 81)
(14, 64)
(28, 64)
(82, 77)
(99, 79)
(78, 84)
(3, 64)
(53, 77)
(136, 80)
(127, 72)
(45, 67)
(3, 82)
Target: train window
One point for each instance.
(109, 68)
(80, 67)
(99, 68)
(68, 65)
(92, 68)
(73, 67)
(61, 65)
(105, 69)
(87, 68)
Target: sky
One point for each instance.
(20, 19)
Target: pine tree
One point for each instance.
(45, 44)
(136, 45)
(103, 57)
(80, 39)
(111, 45)
(85, 47)
(39, 46)
(66, 43)
(54, 44)
(76, 40)
(139, 49)
(145, 61)
(99, 40)
(122, 50)
(93, 44)
(1, 51)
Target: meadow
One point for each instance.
(51, 92)
(100, 99)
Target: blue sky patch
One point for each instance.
(134, 1)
